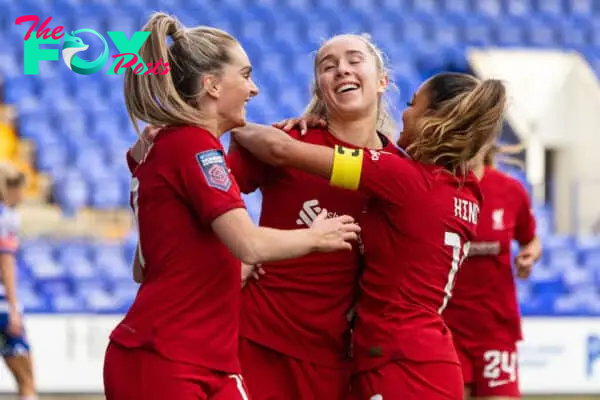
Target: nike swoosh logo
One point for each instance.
(493, 384)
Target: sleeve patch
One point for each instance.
(212, 164)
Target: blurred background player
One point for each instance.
(180, 337)
(294, 322)
(483, 314)
(14, 346)
(426, 207)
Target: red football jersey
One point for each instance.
(300, 307)
(416, 231)
(485, 285)
(187, 307)
(131, 163)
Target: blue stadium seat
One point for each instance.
(10, 67)
(540, 33)
(17, 87)
(509, 32)
(426, 7)
(80, 270)
(587, 242)
(578, 278)
(32, 7)
(490, 8)
(46, 269)
(62, 4)
(129, 247)
(124, 292)
(52, 158)
(59, 294)
(559, 241)
(550, 8)
(574, 34)
(109, 258)
(32, 300)
(590, 258)
(37, 258)
(581, 8)
(583, 302)
(107, 193)
(96, 11)
(457, 7)
(562, 258)
(445, 33)
(547, 280)
(518, 7)
(71, 192)
(37, 128)
(97, 297)
(544, 220)
(115, 152)
(477, 31)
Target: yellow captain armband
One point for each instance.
(347, 167)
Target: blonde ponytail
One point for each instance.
(172, 98)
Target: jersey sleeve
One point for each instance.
(205, 177)
(249, 172)
(525, 224)
(131, 163)
(9, 241)
(379, 174)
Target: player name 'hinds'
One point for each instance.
(466, 210)
(469, 211)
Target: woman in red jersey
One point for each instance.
(484, 313)
(294, 323)
(423, 209)
(179, 340)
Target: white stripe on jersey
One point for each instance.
(240, 386)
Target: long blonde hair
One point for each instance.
(172, 98)
(464, 114)
(317, 107)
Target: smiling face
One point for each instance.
(349, 78)
(235, 88)
(416, 108)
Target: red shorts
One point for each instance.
(408, 380)
(139, 374)
(270, 375)
(490, 370)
